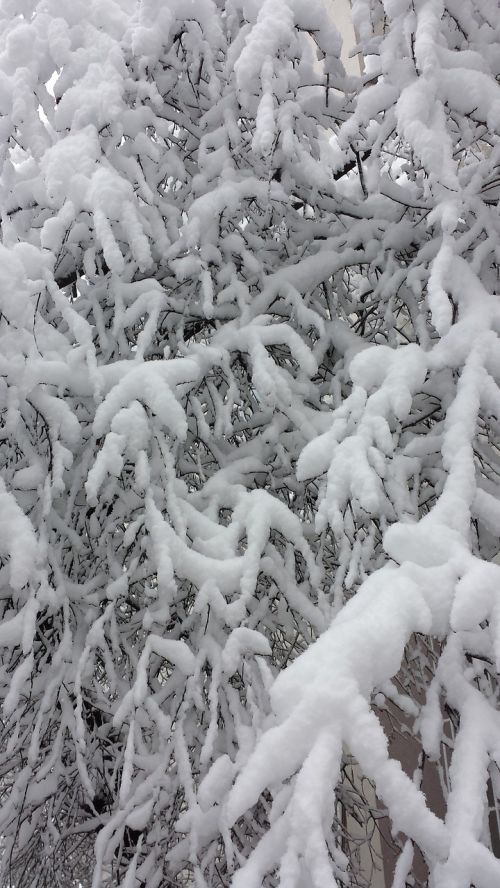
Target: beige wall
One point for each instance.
(341, 14)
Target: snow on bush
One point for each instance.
(250, 400)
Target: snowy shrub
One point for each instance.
(249, 417)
